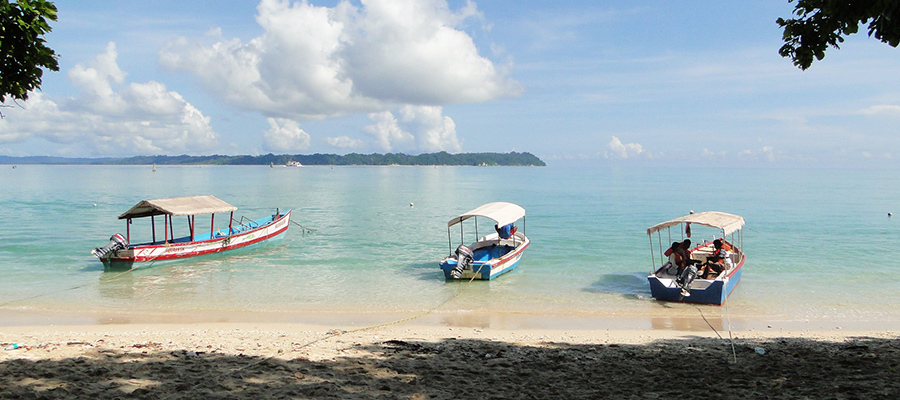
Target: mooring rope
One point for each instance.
(730, 336)
(305, 229)
(337, 332)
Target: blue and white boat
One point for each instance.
(668, 283)
(490, 255)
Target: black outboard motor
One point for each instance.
(685, 278)
(116, 242)
(464, 258)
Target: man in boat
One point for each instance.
(718, 262)
(685, 251)
(680, 255)
(506, 231)
(674, 254)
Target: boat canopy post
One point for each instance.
(449, 241)
(652, 256)
(659, 239)
(191, 225)
(515, 244)
(171, 227)
(231, 220)
(128, 230)
(212, 225)
(153, 227)
(165, 228)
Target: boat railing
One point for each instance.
(241, 227)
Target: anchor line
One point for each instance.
(305, 229)
(337, 332)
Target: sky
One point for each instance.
(608, 82)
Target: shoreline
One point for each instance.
(411, 361)
(675, 317)
(292, 339)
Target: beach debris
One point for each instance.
(759, 350)
(12, 346)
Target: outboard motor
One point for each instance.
(464, 258)
(116, 242)
(685, 279)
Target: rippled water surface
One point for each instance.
(820, 245)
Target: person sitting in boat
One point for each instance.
(718, 262)
(675, 262)
(505, 231)
(685, 271)
(685, 250)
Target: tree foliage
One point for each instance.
(441, 158)
(23, 24)
(823, 23)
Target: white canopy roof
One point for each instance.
(728, 223)
(178, 206)
(501, 212)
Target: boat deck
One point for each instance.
(249, 225)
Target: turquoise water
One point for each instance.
(820, 246)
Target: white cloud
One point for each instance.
(766, 153)
(345, 142)
(420, 128)
(108, 117)
(318, 62)
(617, 149)
(387, 132)
(435, 132)
(285, 135)
(881, 109)
(96, 82)
(706, 153)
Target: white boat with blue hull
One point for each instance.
(720, 256)
(491, 255)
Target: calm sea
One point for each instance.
(821, 247)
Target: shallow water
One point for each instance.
(819, 244)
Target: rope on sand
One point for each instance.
(338, 332)
(730, 337)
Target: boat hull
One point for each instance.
(487, 269)
(126, 258)
(702, 291)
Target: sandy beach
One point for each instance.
(410, 361)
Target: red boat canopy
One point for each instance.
(192, 205)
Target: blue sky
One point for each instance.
(615, 82)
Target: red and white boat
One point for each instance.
(200, 240)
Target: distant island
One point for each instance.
(441, 158)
